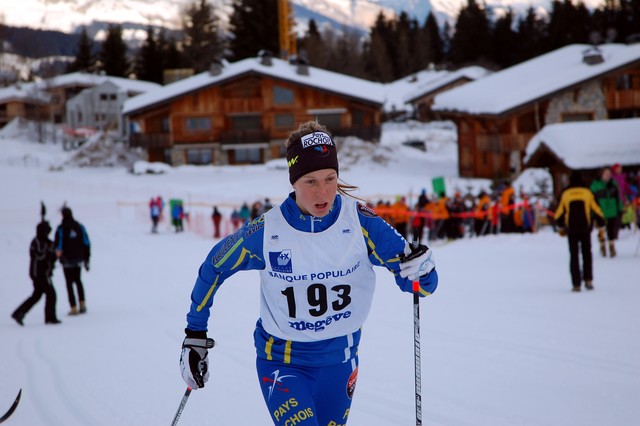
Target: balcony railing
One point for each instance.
(624, 99)
(244, 136)
(150, 141)
(367, 133)
(503, 143)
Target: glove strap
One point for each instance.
(191, 342)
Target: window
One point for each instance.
(282, 95)
(331, 121)
(199, 156)
(197, 124)
(250, 155)
(286, 121)
(576, 116)
(246, 122)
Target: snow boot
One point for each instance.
(612, 249)
(588, 285)
(83, 307)
(603, 249)
(18, 318)
(74, 310)
(52, 321)
(576, 289)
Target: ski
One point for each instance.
(12, 408)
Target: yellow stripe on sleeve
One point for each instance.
(231, 250)
(371, 245)
(208, 295)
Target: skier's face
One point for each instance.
(316, 191)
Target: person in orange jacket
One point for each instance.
(400, 213)
(507, 204)
(441, 216)
(481, 222)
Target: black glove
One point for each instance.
(86, 265)
(194, 363)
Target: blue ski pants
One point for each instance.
(305, 395)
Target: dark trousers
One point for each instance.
(613, 226)
(580, 244)
(72, 276)
(40, 286)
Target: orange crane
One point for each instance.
(288, 44)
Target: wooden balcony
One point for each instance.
(623, 99)
(242, 105)
(503, 143)
(150, 141)
(244, 136)
(367, 133)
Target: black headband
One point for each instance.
(313, 151)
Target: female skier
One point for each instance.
(315, 254)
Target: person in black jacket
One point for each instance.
(74, 250)
(41, 265)
(576, 210)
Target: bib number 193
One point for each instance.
(318, 299)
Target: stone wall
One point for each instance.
(589, 98)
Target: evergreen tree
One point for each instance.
(435, 43)
(402, 57)
(472, 38)
(505, 41)
(149, 65)
(172, 57)
(202, 44)
(376, 56)
(313, 47)
(254, 27)
(113, 56)
(346, 47)
(85, 60)
(530, 34)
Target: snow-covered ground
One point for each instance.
(504, 341)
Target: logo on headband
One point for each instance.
(316, 138)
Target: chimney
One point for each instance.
(592, 56)
(215, 68)
(301, 63)
(265, 57)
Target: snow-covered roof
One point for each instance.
(26, 92)
(534, 79)
(90, 80)
(402, 91)
(590, 144)
(281, 69)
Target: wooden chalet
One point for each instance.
(497, 115)
(22, 102)
(586, 147)
(240, 113)
(46, 100)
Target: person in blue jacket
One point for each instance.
(73, 248)
(315, 253)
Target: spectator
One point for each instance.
(576, 210)
(607, 194)
(154, 211)
(216, 217)
(74, 250)
(42, 260)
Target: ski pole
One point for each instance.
(181, 407)
(416, 346)
(12, 408)
(416, 351)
